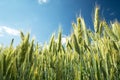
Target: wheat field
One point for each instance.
(87, 55)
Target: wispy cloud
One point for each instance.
(108, 9)
(42, 1)
(7, 30)
(112, 14)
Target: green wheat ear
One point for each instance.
(11, 44)
(116, 29)
(85, 33)
(109, 31)
(59, 40)
(51, 42)
(22, 35)
(75, 43)
(96, 19)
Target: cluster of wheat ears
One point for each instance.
(87, 55)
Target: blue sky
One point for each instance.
(43, 17)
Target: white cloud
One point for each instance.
(7, 30)
(63, 39)
(42, 1)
